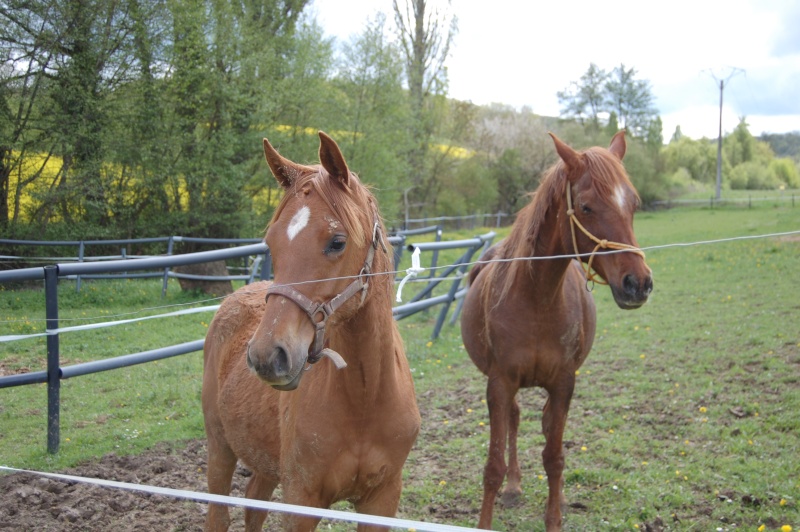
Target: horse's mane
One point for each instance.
(606, 171)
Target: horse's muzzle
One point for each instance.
(280, 369)
(634, 292)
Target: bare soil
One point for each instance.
(29, 502)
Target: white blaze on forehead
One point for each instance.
(299, 222)
(619, 197)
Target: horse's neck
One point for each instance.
(544, 277)
(367, 342)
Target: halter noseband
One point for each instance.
(319, 313)
(591, 277)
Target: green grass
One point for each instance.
(686, 413)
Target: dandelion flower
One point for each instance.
(442, 482)
(786, 528)
(703, 409)
(783, 502)
(583, 448)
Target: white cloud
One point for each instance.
(523, 53)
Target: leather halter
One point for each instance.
(319, 313)
(604, 244)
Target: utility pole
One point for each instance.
(722, 83)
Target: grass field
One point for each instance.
(686, 414)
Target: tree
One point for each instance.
(630, 99)
(425, 36)
(517, 151)
(373, 110)
(626, 100)
(584, 100)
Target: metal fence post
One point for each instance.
(266, 266)
(53, 369)
(81, 250)
(166, 270)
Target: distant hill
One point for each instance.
(783, 144)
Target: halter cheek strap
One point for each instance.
(592, 277)
(319, 313)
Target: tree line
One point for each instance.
(144, 117)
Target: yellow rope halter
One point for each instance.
(605, 244)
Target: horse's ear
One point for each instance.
(332, 160)
(618, 145)
(284, 170)
(571, 158)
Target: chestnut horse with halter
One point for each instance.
(324, 329)
(531, 322)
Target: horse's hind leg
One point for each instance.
(499, 400)
(554, 420)
(221, 464)
(260, 487)
(513, 490)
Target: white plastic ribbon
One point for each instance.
(411, 272)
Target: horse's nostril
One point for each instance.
(648, 285)
(280, 361)
(630, 284)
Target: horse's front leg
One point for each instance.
(260, 487)
(513, 489)
(554, 420)
(294, 492)
(499, 398)
(383, 502)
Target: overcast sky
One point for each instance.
(522, 52)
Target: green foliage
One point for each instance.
(786, 171)
(628, 101)
(698, 157)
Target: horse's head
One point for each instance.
(322, 239)
(600, 203)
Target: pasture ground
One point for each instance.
(686, 414)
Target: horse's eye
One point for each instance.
(586, 209)
(336, 245)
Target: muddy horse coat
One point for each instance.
(272, 394)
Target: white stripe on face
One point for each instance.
(299, 222)
(619, 197)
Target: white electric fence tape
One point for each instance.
(322, 513)
(11, 338)
(411, 272)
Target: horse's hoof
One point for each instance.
(510, 499)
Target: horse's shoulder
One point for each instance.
(245, 302)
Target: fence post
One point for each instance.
(166, 270)
(266, 266)
(53, 369)
(81, 250)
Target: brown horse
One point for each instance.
(342, 434)
(532, 322)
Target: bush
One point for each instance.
(753, 176)
(785, 169)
